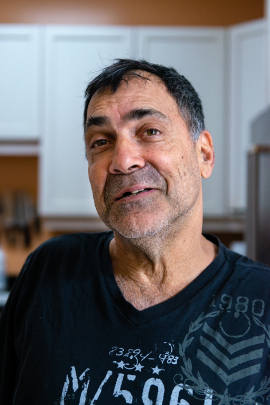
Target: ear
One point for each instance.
(205, 154)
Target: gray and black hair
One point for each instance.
(178, 86)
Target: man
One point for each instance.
(153, 312)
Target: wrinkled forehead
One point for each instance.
(135, 80)
(140, 89)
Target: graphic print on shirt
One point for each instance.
(229, 362)
(128, 367)
(222, 350)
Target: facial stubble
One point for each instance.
(130, 219)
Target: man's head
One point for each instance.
(138, 139)
(178, 86)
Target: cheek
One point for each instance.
(161, 158)
(168, 164)
(180, 171)
(97, 179)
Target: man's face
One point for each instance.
(136, 140)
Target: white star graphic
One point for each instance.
(121, 364)
(157, 370)
(138, 367)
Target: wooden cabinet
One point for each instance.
(20, 69)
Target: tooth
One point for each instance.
(137, 191)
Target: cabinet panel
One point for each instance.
(19, 82)
(198, 54)
(74, 56)
(248, 98)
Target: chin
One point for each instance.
(131, 233)
(139, 230)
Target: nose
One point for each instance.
(126, 157)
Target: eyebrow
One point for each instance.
(96, 121)
(135, 114)
(140, 113)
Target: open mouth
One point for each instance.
(133, 193)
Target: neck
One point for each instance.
(152, 269)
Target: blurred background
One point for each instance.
(50, 50)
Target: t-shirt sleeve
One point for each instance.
(8, 356)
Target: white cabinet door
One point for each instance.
(248, 98)
(19, 82)
(198, 54)
(74, 55)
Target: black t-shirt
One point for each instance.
(68, 336)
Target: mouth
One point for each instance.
(131, 195)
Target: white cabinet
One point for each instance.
(20, 50)
(226, 66)
(198, 54)
(73, 56)
(248, 98)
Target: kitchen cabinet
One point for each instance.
(20, 80)
(247, 80)
(48, 68)
(73, 56)
(198, 54)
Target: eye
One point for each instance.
(152, 131)
(98, 143)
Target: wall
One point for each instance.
(130, 12)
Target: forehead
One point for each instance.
(135, 92)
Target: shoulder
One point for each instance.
(66, 253)
(76, 239)
(241, 270)
(246, 265)
(71, 244)
(248, 278)
(238, 261)
(60, 259)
